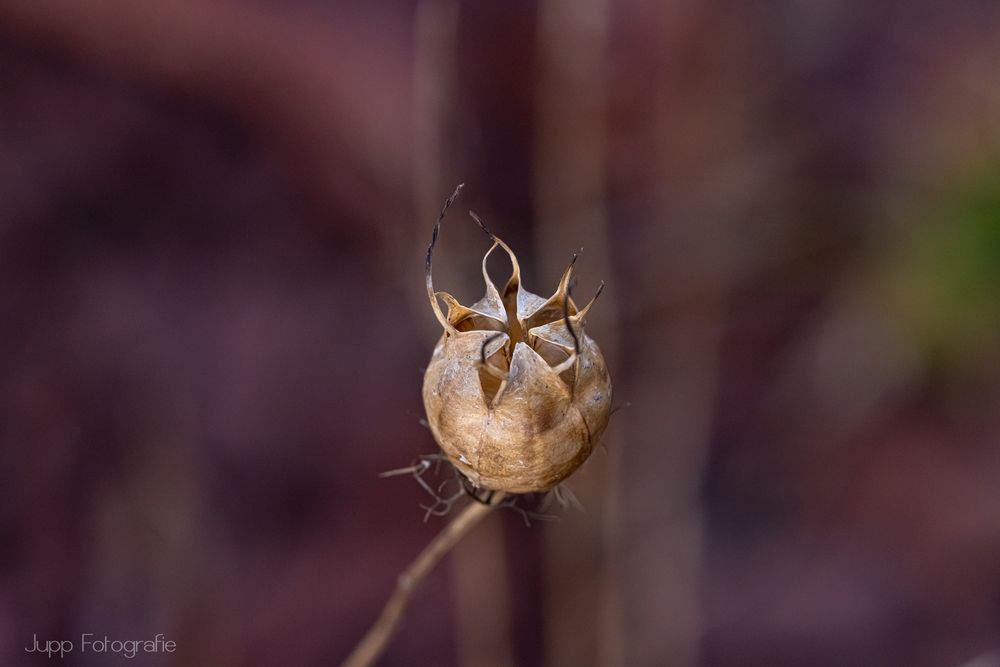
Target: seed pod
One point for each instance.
(516, 393)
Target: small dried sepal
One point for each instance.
(516, 392)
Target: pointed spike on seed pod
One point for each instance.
(513, 284)
(437, 224)
(582, 313)
(538, 311)
(570, 361)
(428, 270)
(563, 290)
(492, 301)
(482, 225)
(515, 267)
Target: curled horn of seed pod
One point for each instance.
(516, 392)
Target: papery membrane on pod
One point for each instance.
(516, 393)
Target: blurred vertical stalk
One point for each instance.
(479, 580)
(674, 368)
(436, 27)
(482, 602)
(583, 623)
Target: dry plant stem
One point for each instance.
(374, 643)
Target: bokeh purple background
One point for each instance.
(213, 218)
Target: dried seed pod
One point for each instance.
(516, 393)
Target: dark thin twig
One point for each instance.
(374, 642)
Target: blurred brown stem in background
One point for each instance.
(582, 608)
(479, 578)
(373, 644)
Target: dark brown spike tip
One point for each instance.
(437, 225)
(600, 289)
(482, 225)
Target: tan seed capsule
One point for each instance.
(516, 393)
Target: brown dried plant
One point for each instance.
(516, 392)
(516, 396)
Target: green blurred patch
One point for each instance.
(945, 281)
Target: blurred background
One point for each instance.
(213, 219)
